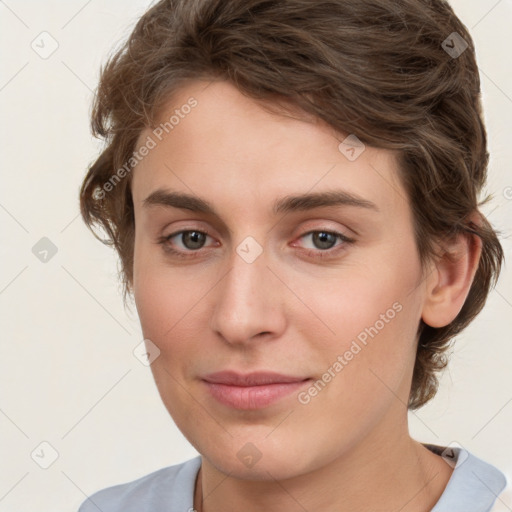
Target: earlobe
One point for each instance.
(448, 284)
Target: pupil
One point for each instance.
(322, 236)
(193, 237)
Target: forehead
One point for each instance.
(212, 141)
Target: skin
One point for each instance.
(288, 311)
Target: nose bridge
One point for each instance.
(247, 298)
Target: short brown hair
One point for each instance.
(374, 68)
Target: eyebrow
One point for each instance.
(291, 203)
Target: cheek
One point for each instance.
(365, 304)
(171, 311)
(157, 306)
(365, 367)
(157, 302)
(373, 317)
(166, 317)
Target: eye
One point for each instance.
(324, 240)
(191, 240)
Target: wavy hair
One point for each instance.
(379, 69)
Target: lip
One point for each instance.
(252, 390)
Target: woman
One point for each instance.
(292, 190)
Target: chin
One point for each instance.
(257, 458)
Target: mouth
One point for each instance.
(253, 390)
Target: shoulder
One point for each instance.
(168, 489)
(474, 485)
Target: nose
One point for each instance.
(248, 302)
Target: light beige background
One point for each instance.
(67, 372)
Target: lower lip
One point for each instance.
(252, 397)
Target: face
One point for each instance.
(324, 291)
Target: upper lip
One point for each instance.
(260, 378)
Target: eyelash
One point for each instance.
(318, 253)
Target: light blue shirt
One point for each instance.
(473, 487)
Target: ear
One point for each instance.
(449, 282)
